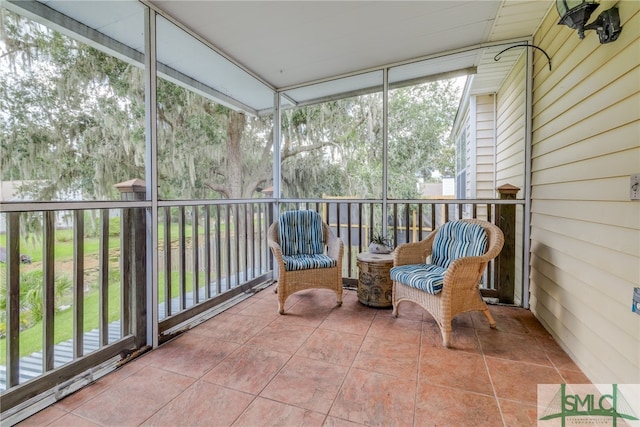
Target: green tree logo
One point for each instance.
(581, 406)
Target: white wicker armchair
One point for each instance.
(308, 254)
(453, 289)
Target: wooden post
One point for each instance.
(505, 262)
(134, 262)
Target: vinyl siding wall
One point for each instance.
(510, 155)
(485, 137)
(511, 128)
(585, 232)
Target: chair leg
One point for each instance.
(446, 336)
(487, 314)
(281, 299)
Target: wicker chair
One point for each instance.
(448, 285)
(308, 253)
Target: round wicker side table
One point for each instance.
(374, 283)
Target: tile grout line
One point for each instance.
(257, 395)
(419, 365)
(349, 371)
(486, 366)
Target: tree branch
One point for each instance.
(218, 188)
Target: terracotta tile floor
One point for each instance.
(321, 365)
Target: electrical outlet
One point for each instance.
(634, 190)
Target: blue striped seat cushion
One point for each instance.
(301, 233)
(427, 277)
(305, 262)
(456, 239)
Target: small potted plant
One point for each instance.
(379, 245)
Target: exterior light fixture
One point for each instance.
(575, 14)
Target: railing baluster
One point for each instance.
(371, 222)
(182, 273)
(228, 245)
(360, 229)
(407, 221)
(252, 241)
(167, 262)
(207, 251)
(237, 232)
(338, 219)
(420, 233)
(260, 247)
(195, 248)
(103, 310)
(48, 273)
(127, 267)
(349, 258)
(268, 220)
(13, 299)
(395, 222)
(78, 284)
(218, 253)
(245, 241)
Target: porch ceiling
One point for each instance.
(289, 43)
(286, 44)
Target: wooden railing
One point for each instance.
(356, 221)
(207, 252)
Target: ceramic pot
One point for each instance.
(376, 248)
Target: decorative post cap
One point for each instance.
(134, 189)
(132, 186)
(508, 189)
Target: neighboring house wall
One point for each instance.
(470, 152)
(585, 231)
(485, 145)
(510, 155)
(478, 127)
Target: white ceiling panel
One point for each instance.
(366, 82)
(122, 21)
(430, 67)
(181, 52)
(289, 43)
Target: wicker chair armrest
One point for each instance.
(274, 244)
(413, 253)
(463, 274)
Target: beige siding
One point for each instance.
(511, 129)
(485, 135)
(470, 127)
(585, 232)
(510, 156)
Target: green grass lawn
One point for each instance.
(31, 338)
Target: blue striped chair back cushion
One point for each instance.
(301, 233)
(457, 239)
